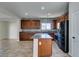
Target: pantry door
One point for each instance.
(75, 34)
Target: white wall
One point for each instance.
(3, 29)
(14, 30)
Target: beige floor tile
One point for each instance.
(13, 48)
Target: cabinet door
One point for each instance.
(25, 36)
(54, 24)
(36, 24)
(25, 24)
(44, 47)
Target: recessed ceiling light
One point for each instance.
(26, 13)
(42, 7)
(49, 14)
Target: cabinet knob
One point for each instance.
(40, 43)
(73, 37)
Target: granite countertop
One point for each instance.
(38, 30)
(41, 35)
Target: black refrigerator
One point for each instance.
(62, 36)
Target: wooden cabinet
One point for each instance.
(62, 18)
(54, 24)
(44, 47)
(52, 34)
(30, 24)
(26, 36)
(59, 19)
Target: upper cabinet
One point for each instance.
(30, 24)
(59, 19)
(54, 23)
(62, 18)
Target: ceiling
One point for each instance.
(32, 9)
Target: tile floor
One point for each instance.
(58, 52)
(13, 48)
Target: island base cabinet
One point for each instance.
(44, 47)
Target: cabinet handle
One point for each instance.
(39, 43)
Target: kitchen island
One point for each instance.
(42, 45)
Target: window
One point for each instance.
(46, 26)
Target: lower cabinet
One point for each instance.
(26, 36)
(45, 47)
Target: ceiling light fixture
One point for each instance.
(26, 13)
(42, 7)
(49, 14)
